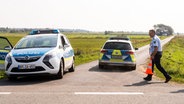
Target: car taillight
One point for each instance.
(130, 52)
(103, 51)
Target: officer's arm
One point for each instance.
(154, 52)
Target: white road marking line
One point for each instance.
(109, 93)
(87, 93)
(5, 93)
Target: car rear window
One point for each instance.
(117, 45)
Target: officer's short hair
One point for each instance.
(152, 31)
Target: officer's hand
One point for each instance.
(152, 57)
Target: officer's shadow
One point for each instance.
(179, 91)
(142, 83)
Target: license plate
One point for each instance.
(116, 57)
(30, 66)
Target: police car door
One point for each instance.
(67, 54)
(5, 47)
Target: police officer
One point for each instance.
(156, 54)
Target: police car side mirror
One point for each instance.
(136, 48)
(7, 48)
(65, 46)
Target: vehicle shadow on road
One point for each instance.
(179, 91)
(109, 69)
(26, 81)
(142, 83)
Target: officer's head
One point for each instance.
(151, 33)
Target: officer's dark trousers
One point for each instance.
(156, 61)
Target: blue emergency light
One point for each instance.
(54, 31)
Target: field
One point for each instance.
(173, 59)
(86, 45)
(1, 61)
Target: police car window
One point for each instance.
(3, 43)
(66, 40)
(63, 41)
(117, 45)
(37, 42)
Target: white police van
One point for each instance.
(40, 52)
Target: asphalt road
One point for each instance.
(91, 85)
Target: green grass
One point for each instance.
(139, 41)
(13, 37)
(86, 49)
(173, 59)
(2, 74)
(2, 71)
(1, 61)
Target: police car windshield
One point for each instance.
(117, 45)
(41, 41)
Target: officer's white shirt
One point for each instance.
(155, 42)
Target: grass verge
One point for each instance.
(2, 75)
(1, 62)
(173, 59)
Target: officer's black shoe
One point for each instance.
(148, 78)
(168, 79)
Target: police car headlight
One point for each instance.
(9, 60)
(47, 58)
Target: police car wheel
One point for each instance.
(61, 71)
(133, 68)
(12, 78)
(101, 66)
(72, 69)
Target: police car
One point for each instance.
(40, 52)
(118, 51)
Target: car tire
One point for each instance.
(133, 68)
(101, 66)
(12, 78)
(72, 69)
(61, 71)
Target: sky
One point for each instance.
(92, 15)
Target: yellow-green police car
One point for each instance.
(118, 51)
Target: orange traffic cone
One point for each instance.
(149, 68)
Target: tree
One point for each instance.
(162, 29)
(108, 32)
